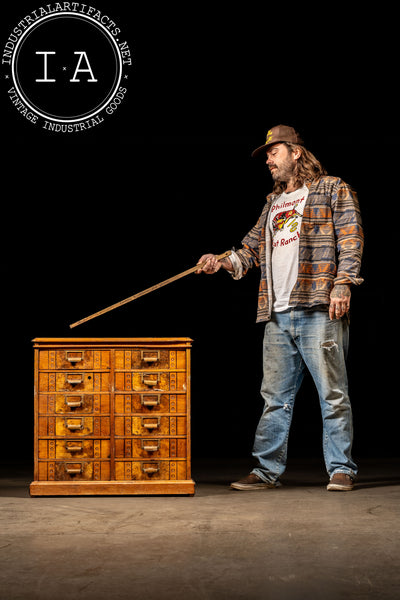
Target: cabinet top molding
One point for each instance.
(178, 341)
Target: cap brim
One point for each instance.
(262, 149)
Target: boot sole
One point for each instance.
(338, 488)
(251, 486)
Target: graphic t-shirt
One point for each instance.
(285, 222)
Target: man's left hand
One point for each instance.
(340, 301)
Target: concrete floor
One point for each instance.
(298, 542)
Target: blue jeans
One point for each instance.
(293, 341)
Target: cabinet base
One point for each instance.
(112, 488)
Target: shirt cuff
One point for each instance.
(237, 273)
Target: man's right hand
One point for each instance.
(209, 264)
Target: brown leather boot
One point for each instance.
(340, 482)
(252, 482)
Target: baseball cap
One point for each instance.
(279, 133)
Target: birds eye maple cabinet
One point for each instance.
(112, 416)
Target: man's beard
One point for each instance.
(285, 171)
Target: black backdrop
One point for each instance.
(90, 218)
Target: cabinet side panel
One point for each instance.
(36, 412)
(188, 411)
(112, 474)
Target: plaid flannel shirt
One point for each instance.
(330, 246)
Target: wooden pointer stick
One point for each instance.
(148, 290)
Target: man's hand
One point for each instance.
(212, 265)
(340, 301)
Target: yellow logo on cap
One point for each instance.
(269, 137)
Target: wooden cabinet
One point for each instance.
(112, 416)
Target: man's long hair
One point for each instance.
(307, 169)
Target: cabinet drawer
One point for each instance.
(150, 402)
(150, 448)
(74, 358)
(150, 358)
(150, 470)
(145, 425)
(73, 426)
(73, 403)
(146, 381)
(74, 470)
(70, 381)
(73, 449)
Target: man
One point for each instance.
(308, 244)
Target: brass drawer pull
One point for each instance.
(148, 357)
(73, 359)
(151, 445)
(147, 379)
(74, 378)
(150, 400)
(151, 424)
(70, 448)
(73, 470)
(150, 469)
(74, 403)
(74, 425)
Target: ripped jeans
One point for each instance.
(294, 340)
